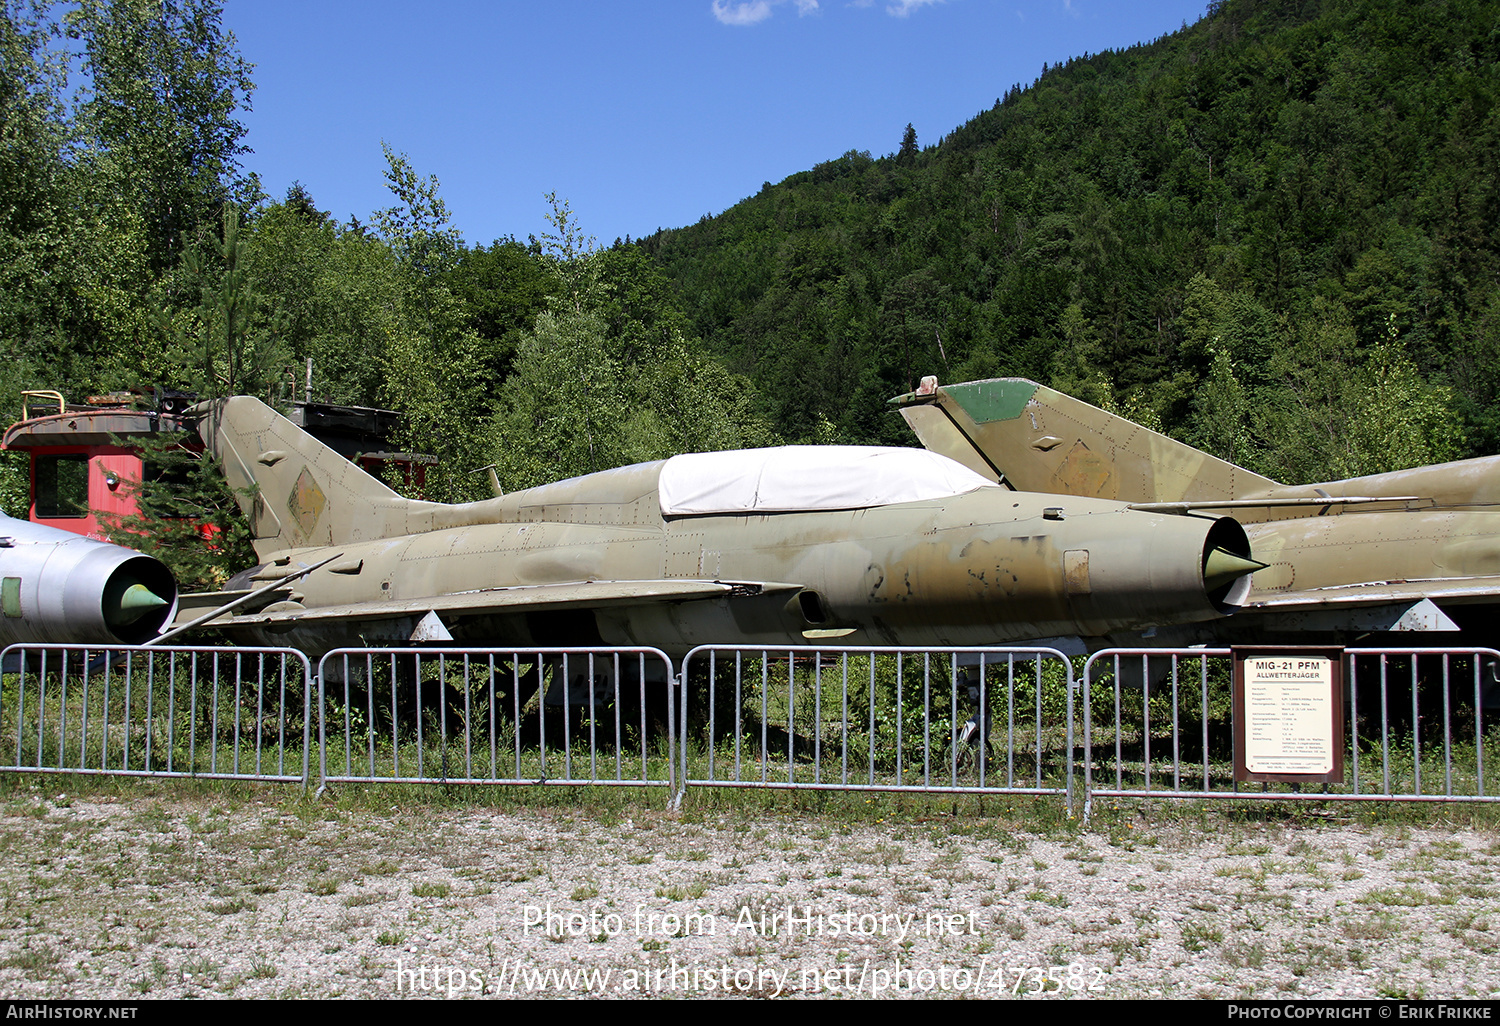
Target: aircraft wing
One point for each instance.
(1443, 590)
(1373, 606)
(582, 594)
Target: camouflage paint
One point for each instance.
(592, 559)
(1330, 559)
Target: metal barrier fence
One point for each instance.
(966, 720)
(1159, 723)
(1132, 723)
(203, 712)
(498, 716)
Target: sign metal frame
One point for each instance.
(1305, 713)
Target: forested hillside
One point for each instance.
(1274, 233)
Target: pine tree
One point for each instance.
(908, 151)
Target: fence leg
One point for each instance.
(676, 739)
(322, 744)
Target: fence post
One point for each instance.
(1068, 772)
(322, 738)
(676, 736)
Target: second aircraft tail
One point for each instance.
(1037, 439)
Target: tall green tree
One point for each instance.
(226, 345)
(501, 290)
(432, 363)
(33, 189)
(606, 376)
(417, 226)
(908, 151)
(101, 191)
(164, 86)
(327, 292)
(1345, 411)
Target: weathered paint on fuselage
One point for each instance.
(1438, 545)
(984, 566)
(1376, 547)
(979, 568)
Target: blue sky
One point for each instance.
(640, 114)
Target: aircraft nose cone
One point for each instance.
(1222, 566)
(127, 601)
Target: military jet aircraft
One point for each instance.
(1414, 550)
(57, 587)
(786, 545)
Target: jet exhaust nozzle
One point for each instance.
(125, 602)
(1223, 567)
(1228, 564)
(62, 588)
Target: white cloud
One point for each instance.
(748, 12)
(752, 12)
(901, 8)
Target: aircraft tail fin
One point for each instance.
(1037, 439)
(296, 491)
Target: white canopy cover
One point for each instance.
(808, 477)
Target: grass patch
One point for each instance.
(1200, 936)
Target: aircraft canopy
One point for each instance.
(789, 478)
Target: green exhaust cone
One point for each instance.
(1223, 566)
(128, 605)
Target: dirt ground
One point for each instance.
(156, 894)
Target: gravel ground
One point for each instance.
(130, 895)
